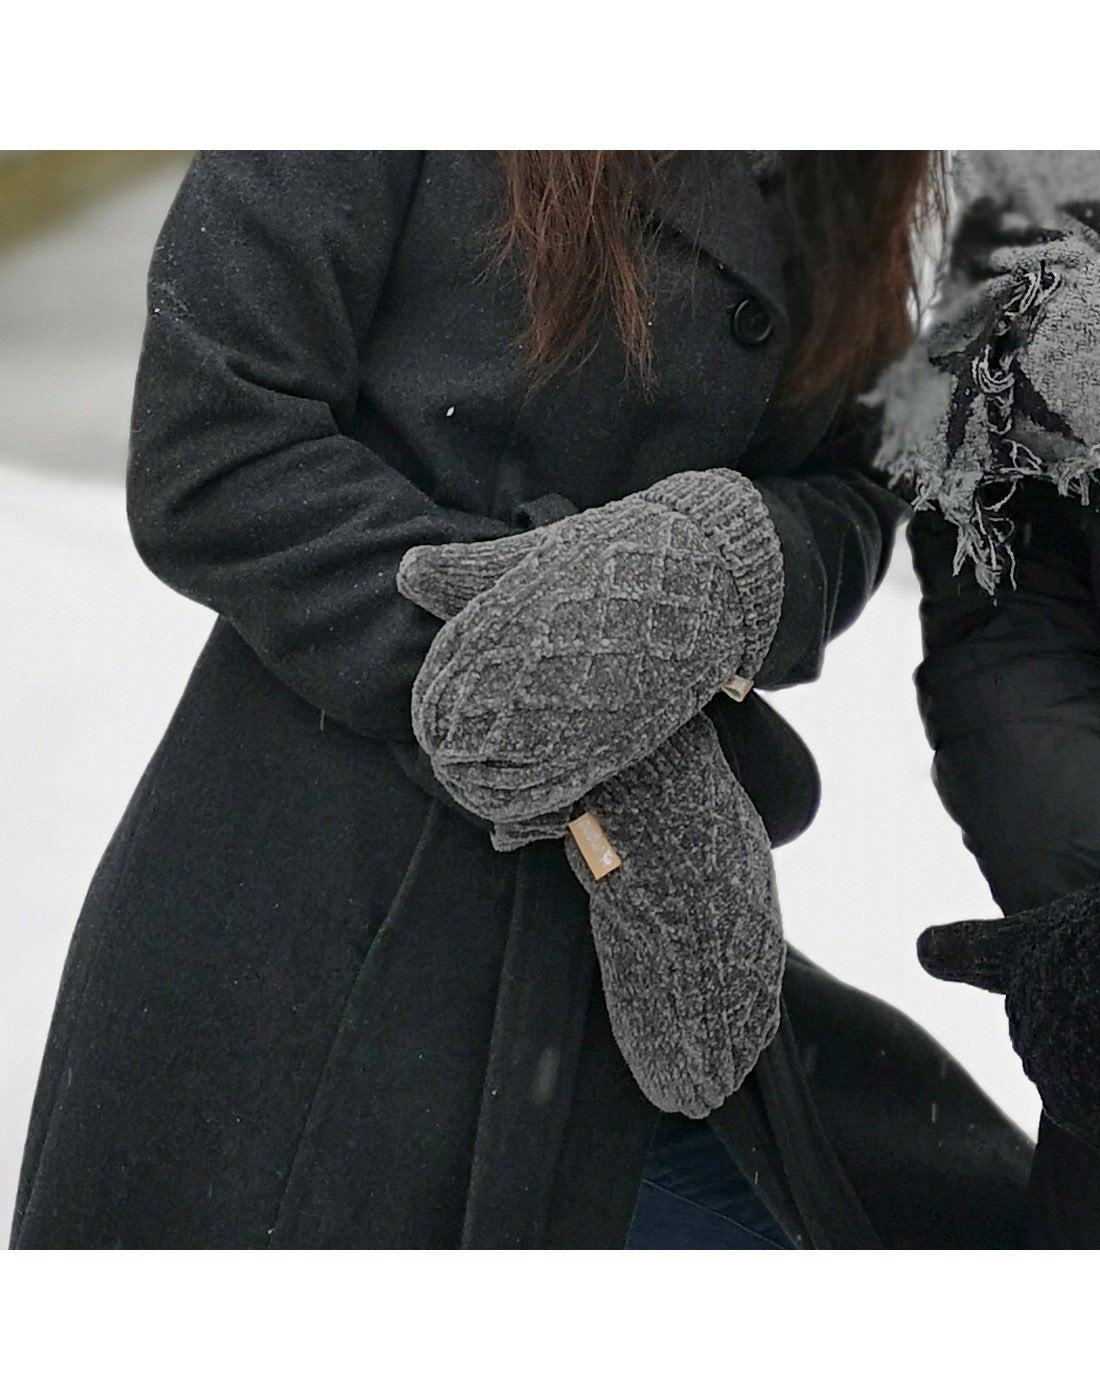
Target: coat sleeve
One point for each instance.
(245, 491)
(1009, 693)
(836, 528)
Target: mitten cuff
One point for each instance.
(731, 513)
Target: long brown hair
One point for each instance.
(854, 217)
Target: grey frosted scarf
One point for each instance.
(1003, 383)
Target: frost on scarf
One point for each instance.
(1003, 384)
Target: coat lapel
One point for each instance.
(712, 199)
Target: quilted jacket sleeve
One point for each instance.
(1009, 692)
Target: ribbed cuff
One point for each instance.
(731, 512)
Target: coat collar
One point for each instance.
(712, 199)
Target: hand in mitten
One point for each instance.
(684, 915)
(1002, 385)
(687, 929)
(614, 629)
(1046, 962)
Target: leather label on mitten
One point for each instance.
(600, 855)
(737, 687)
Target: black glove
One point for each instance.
(1046, 962)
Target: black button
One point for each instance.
(751, 323)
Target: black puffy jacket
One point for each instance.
(1009, 692)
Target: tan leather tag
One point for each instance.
(600, 855)
(737, 687)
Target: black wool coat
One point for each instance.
(306, 1003)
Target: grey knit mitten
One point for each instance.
(1002, 386)
(684, 916)
(687, 929)
(615, 628)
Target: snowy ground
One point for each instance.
(97, 651)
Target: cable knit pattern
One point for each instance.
(688, 929)
(604, 615)
(615, 629)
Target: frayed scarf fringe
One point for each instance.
(984, 531)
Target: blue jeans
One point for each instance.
(694, 1197)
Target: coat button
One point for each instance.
(751, 322)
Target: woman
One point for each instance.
(308, 1004)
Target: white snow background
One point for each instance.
(96, 652)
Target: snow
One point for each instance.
(97, 651)
(882, 860)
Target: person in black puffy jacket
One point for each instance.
(995, 436)
(1010, 697)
